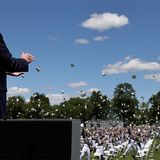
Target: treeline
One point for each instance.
(124, 106)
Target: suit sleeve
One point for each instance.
(18, 65)
(8, 63)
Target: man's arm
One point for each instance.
(21, 64)
(10, 64)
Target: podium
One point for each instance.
(39, 139)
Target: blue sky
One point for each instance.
(117, 39)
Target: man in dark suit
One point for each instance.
(11, 66)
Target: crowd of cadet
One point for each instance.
(106, 143)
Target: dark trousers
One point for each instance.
(2, 105)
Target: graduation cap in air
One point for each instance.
(103, 74)
(133, 76)
(38, 68)
(72, 65)
(82, 94)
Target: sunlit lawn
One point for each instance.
(152, 155)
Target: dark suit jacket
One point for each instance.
(9, 64)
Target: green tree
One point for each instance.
(16, 107)
(124, 102)
(101, 105)
(75, 108)
(142, 114)
(154, 103)
(38, 107)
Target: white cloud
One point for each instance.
(53, 38)
(100, 38)
(93, 89)
(56, 98)
(77, 84)
(17, 91)
(82, 41)
(152, 76)
(105, 21)
(130, 65)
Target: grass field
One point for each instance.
(152, 155)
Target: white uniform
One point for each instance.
(99, 151)
(130, 145)
(85, 149)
